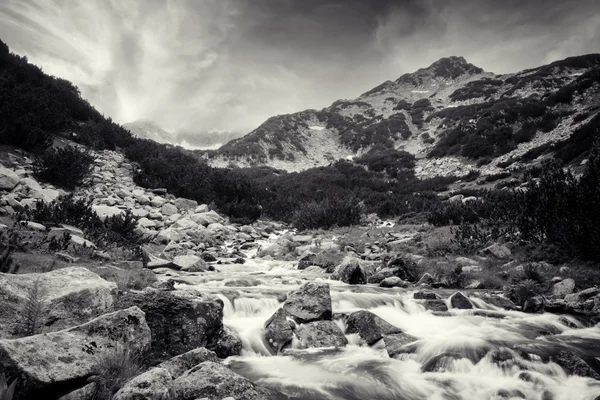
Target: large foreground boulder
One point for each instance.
(69, 297)
(213, 381)
(312, 302)
(50, 365)
(178, 323)
(350, 271)
(320, 334)
(278, 331)
(369, 326)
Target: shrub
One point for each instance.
(8, 244)
(524, 291)
(327, 214)
(6, 391)
(65, 167)
(32, 315)
(114, 368)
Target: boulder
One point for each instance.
(168, 235)
(53, 364)
(369, 326)
(71, 296)
(393, 281)
(278, 331)
(496, 250)
(383, 273)
(8, 179)
(146, 223)
(435, 305)
(320, 334)
(426, 279)
(460, 301)
(155, 383)
(176, 366)
(185, 204)
(213, 381)
(563, 288)
(226, 344)
(350, 271)
(77, 243)
(178, 324)
(190, 263)
(395, 343)
(534, 304)
(105, 212)
(185, 224)
(405, 267)
(425, 295)
(206, 218)
(168, 209)
(311, 302)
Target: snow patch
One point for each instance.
(316, 128)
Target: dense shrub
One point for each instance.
(328, 213)
(66, 167)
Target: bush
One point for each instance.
(327, 214)
(114, 368)
(65, 167)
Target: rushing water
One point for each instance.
(488, 353)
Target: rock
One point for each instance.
(168, 209)
(496, 250)
(206, 218)
(464, 261)
(320, 334)
(176, 366)
(582, 296)
(157, 202)
(54, 364)
(573, 364)
(394, 343)
(460, 302)
(278, 331)
(71, 296)
(383, 273)
(435, 305)
(77, 242)
(213, 381)
(105, 212)
(34, 226)
(369, 326)
(471, 269)
(393, 281)
(425, 295)
(497, 300)
(227, 344)
(185, 204)
(190, 263)
(136, 279)
(185, 224)
(311, 302)
(306, 260)
(350, 271)
(426, 279)
(86, 392)
(8, 179)
(156, 383)
(563, 288)
(146, 223)
(534, 304)
(178, 324)
(168, 235)
(405, 267)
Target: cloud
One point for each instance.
(230, 64)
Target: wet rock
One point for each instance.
(278, 331)
(534, 304)
(383, 273)
(393, 281)
(497, 300)
(574, 364)
(426, 279)
(213, 381)
(425, 295)
(226, 344)
(153, 384)
(496, 250)
(54, 364)
(311, 302)
(563, 288)
(71, 296)
(394, 344)
(350, 271)
(435, 305)
(178, 324)
(369, 326)
(320, 334)
(441, 362)
(460, 301)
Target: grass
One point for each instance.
(114, 368)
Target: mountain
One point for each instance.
(212, 139)
(453, 116)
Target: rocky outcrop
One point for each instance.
(320, 334)
(369, 326)
(69, 296)
(213, 381)
(178, 323)
(312, 302)
(50, 365)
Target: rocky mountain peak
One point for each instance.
(451, 67)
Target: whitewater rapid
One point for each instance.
(484, 353)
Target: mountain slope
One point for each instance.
(452, 115)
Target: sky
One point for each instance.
(201, 65)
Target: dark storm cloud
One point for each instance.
(230, 64)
